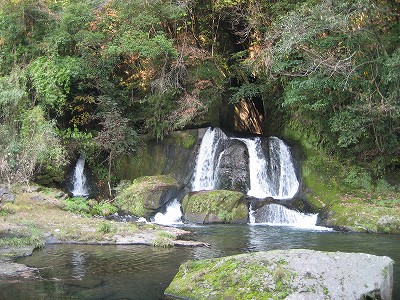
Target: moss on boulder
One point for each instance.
(218, 206)
(146, 194)
(344, 194)
(285, 274)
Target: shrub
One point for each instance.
(104, 209)
(163, 242)
(77, 205)
(105, 227)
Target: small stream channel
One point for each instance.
(143, 272)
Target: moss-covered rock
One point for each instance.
(173, 155)
(285, 274)
(344, 194)
(146, 194)
(215, 207)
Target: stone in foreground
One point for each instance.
(286, 274)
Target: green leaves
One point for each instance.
(52, 78)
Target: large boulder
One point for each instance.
(145, 195)
(215, 207)
(233, 171)
(286, 274)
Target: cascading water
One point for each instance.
(79, 179)
(204, 174)
(172, 215)
(260, 185)
(279, 215)
(273, 177)
(281, 159)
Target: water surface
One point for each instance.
(143, 272)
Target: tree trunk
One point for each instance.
(109, 174)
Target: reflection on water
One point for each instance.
(143, 272)
(78, 264)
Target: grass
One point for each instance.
(105, 227)
(29, 222)
(33, 237)
(163, 242)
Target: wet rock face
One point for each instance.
(233, 172)
(286, 274)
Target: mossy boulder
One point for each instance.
(285, 274)
(218, 206)
(145, 195)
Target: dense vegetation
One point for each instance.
(94, 75)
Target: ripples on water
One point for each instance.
(143, 272)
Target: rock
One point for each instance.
(175, 155)
(146, 195)
(286, 274)
(38, 198)
(61, 195)
(6, 195)
(3, 191)
(31, 189)
(233, 171)
(17, 270)
(215, 207)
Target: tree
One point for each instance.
(116, 136)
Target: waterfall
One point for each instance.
(172, 215)
(274, 177)
(79, 179)
(282, 164)
(204, 174)
(279, 215)
(260, 185)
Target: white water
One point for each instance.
(287, 183)
(79, 178)
(260, 186)
(279, 215)
(204, 174)
(172, 215)
(281, 180)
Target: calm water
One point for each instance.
(143, 272)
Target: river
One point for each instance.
(143, 272)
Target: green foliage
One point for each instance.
(245, 91)
(33, 151)
(51, 78)
(78, 205)
(35, 238)
(358, 179)
(164, 242)
(104, 209)
(105, 227)
(166, 234)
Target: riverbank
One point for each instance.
(36, 217)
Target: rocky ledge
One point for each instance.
(285, 274)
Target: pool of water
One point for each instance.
(143, 272)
